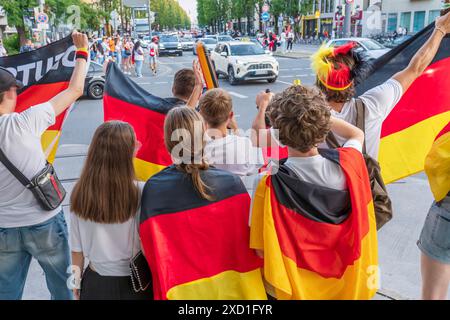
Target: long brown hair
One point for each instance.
(106, 191)
(184, 127)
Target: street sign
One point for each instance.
(265, 8)
(42, 17)
(265, 16)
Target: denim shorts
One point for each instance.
(434, 240)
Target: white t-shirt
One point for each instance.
(2, 51)
(139, 55)
(379, 102)
(21, 142)
(108, 247)
(321, 171)
(153, 46)
(234, 154)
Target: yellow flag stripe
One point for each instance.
(403, 153)
(437, 167)
(228, 285)
(144, 170)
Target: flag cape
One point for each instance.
(437, 165)
(318, 243)
(45, 72)
(127, 101)
(199, 249)
(409, 130)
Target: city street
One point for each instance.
(399, 256)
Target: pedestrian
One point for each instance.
(196, 243)
(153, 55)
(26, 229)
(3, 52)
(316, 207)
(138, 54)
(434, 241)
(290, 40)
(104, 217)
(225, 151)
(118, 50)
(283, 41)
(126, 56)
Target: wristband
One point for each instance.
(82, 49)
(80, 54)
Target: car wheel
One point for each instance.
(95, 90)
(231, 77)
(180, 54)
(272, 80)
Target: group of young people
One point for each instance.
(316, 199)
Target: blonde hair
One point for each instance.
(188, 121)
(215, 107)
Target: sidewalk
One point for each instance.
(299, 51)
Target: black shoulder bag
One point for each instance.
(381, 200)
(45, 185)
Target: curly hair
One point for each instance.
(302, 116)
(336, 95)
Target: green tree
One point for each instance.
(15, 10)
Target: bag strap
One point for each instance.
(361, 119)
(332, 141)
(14, 171)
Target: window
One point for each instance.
(246, 50)
(405, 20)
(433, 14)
(419, 21)
(392, 22)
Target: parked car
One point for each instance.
(94, 84)
(210, 44)
(371, 47)
(398, 41)
(240, 61)
(170, 44)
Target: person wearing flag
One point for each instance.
(313, 218)
(434, 241)
(26, 230)
(194, 223)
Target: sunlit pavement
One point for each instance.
(398, 253)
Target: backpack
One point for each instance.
(381, 200)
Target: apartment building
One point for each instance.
(413, 15)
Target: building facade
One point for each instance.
(412, 15)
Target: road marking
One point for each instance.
(238, 95)
(301, 75)
(288, 83)
(295, 69)
(286, 76)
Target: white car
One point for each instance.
(210, 44)
(369, 46)
(241, 61)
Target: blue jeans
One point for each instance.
(47, 242)
(139, 64)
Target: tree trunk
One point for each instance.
(22, 35)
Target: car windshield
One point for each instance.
(372, 45)
(246, 50)
(209, 41)
(186, 40)
(225, 38)
(168, 39)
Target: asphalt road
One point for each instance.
(398, 254)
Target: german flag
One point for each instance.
(199, 249)
(45, 72)
(423, 111)
(125, 100)
(318, 243)
(437, 165)
(209, 73)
